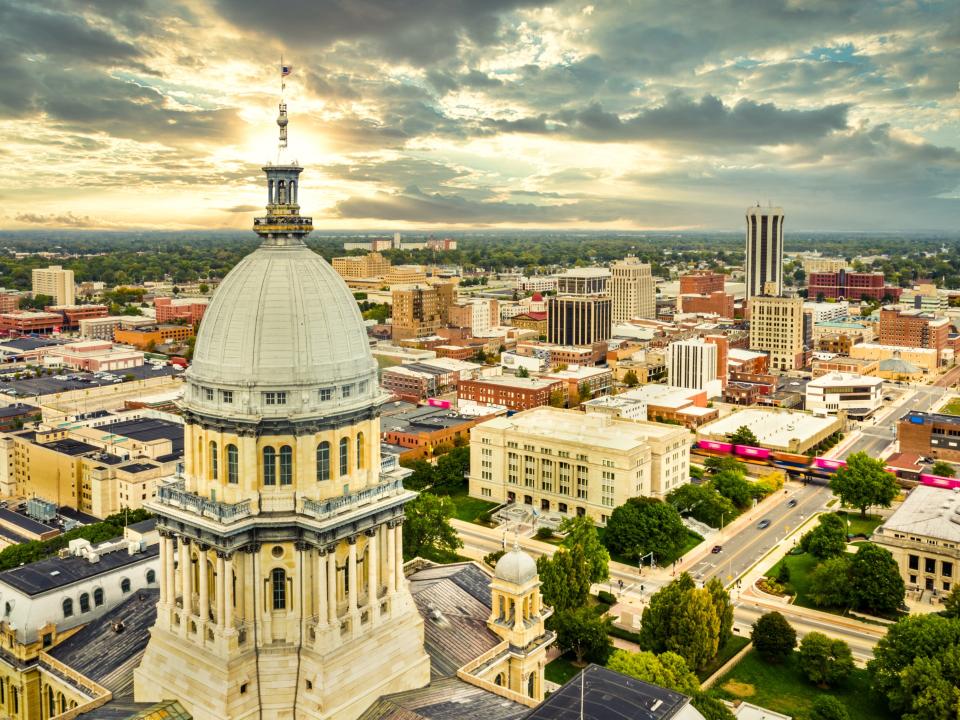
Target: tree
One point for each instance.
(830, 582)
(825, 661)
(684, 619)
(724, 609)
(584, 633)
(943, 469)
(204, 288)
(828, 539)
(582, 533)
(557, 399)
(427, 531)
(424, 475)
(710, 707)
(773, 637)
(451, 470)
(564, 578)
(643, 525)
(827, 707)
(875, 580)
(667, 669)
(724, 462)
(864, 482)
(522, 372)
(583, 391)
(743, 435)
(703, 503)
(951, 603)
(630, 379)
(733, 486)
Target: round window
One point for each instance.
(277, 551)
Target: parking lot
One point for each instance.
(64, 380)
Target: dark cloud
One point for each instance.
(62, 220)
(401, 172)
(241, 209)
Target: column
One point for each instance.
(186, 579)
(228, 598)
(373, 580)
(352, 574)
(204, 609)
(164, 571)
(398, 555)
(391, 560)
(320, 573)
(221, 589)
(332, 585)
(297, 600)
(170, 577)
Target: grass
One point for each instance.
(560, 670)
(468, 508)
(734, 645)
(951, 408)
(861, 525)
(801, 566)
(785, 689)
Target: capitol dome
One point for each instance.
(283, 337)
(515, 567)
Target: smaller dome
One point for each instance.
(515, 567)
(537, 297)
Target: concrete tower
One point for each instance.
(632, 290)
(282, 586)
(764, 251)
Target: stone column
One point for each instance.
(170, 577)
(300, 547)
(352, 575)
(204, 610)
(228, 599)
(186, 577)
(221, 589)
(373, 580)
(320, 573)
(164, 570)
(391, 560)
(332, 585)
(398, 555)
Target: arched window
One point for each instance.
(84, 602)
(214, 461)
(286, 465)
(359, 451)
(499, 679)
(269, 466)
(67, 607)
(323, 461)
(279, 580)
(233, 464)
(51, 702)
(125, 585)
(151, 577)
(532, 685)
(98, 597)
(344, 456)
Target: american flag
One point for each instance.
(285, 70)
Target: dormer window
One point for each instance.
(275, 398)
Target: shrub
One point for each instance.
(606, 598)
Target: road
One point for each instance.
(874, 437)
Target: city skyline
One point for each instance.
(507, 114)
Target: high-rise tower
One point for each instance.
(282, 586)
(632, 290)
(764, 251)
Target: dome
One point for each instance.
(283, 337)
(516, 567)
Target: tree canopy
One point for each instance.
(582, 533)
(564, 578)
(583, 632)
(864, 482)
(744, 436)
(828, 539)
(875, 581)
(825, 661)
(702, 502)
(427, 531)
(643, 525)
(773, 637)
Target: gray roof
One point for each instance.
(56, 572)
(927, 511)
(445, 699)
(147, 429)
(454, 601)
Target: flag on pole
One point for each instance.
(285, 70)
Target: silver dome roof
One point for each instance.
(282, 321)
(515, 567)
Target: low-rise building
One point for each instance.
(94, 356)
(145, 338)
(420, 430)
(935, 435)
(73, 314)
(103, 328)
(860, 366)
(512, 392)
(923, 536)
(924, 358)
(658, 403)
(859, 395)
(188, 310)
(571, 463)
(776, 428)
(574, 377)
(30, 321)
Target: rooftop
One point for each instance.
(773, 427)
(148, 429)
(928, 511)
(445, 699)
(840, 379)
(528, 383)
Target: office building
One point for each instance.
(569, 463)
(913, 329)
(371, 265)
(632, 290)
(821, 312)
(185, 310)
(776, 327)
(763, 269)
(701, 283)
(30, 321)
(55, 282)
(584, 281)
(73, 315)
(579, 319)
(512, 392)
(692, 364)
(775, 428)
(717, 303)
(824, 265)
(406, 275)
(149, 337)
(478, 315)
(416, 312)
(934, 435)
(9, 300)
(657, 403)
(858, 395)
(849, 285)
(894, 358)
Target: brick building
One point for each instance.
(715, 303)
(514, 393)
(932, 435)
(73, 314)
(28, 321)
(914, 329)
(844, 284)
(701, 283)
(189, 310)
(147, 337)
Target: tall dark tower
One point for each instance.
(763, 269)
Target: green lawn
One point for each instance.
(734, 645)
(784, 688)
(560, 670)
(468, 508)
(861, 525)
(951, 408)
(800, 568)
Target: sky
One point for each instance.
(432, 114)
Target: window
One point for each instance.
(275, 398)
(929, 565)
(344, 456)
(363, 387)
(286, 465)
(226, 396)
(914, 562)
(67, 608)
(151, 577)
(946, 568)
(98, 597)
(323, 461)
(326, 394)
(346, 391)
(125, 585)
(208, 394)
(233, 464)
(47, 640)
(279, 580)
(359, 451)
(269, 466)
(213, 461)
(84, 603)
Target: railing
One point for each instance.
(175, 495)
(278, 502)
(323, 509)
(87, 686)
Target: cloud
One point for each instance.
(241, 209)
(67, 219)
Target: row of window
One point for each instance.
(279, 397)
(277, 466)
(98, 598)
